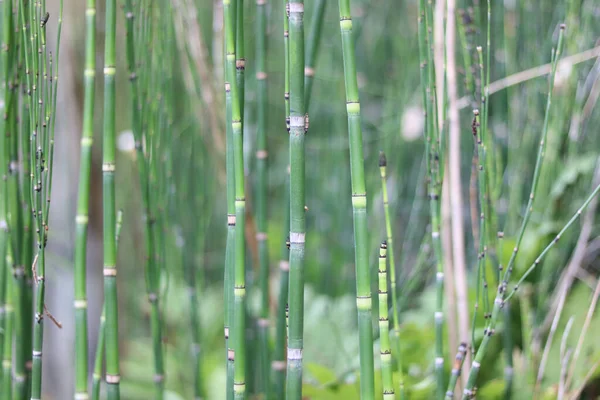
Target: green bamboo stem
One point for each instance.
(434, 178)
(261, 196)
(100, 348)
(384, 327)
(81, 219)
(4, 232)
(456, 368)
(359, 206)
(149, 216)
(279, 357)
(501, 298)
(230, 246)
(109, 215)
(312, 49)
(297, 200)
(390, 252)
(7, 360)
(237, 331)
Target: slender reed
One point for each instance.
(384, 327)
(312, 49)
(81, 219)
(99, 358)
(261, 195)
(239, 285)
(456, 368)
(297, 200)
(501, 297)
(279, 358)
(359, 206)
(433, 161)
(390, 252)
(108, 201)
(7, 359)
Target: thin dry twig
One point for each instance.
(49, 315)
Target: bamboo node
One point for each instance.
(309, 71)
(158, 378)
(108, 167)
(226, 332)
(81, 219)
(109, 270)
(278, 365)
(284, 265)
(81, 396)
(240, 63)
(109, 70)
(239, 387)
(80, 304)
(261, 2)
(296, 8)
(113, 379)
(3, 224)
(89, 73)
(36, 354)
(230, 355)
(297, 237)
(231, 219)
(363, 302)
(263, 322)
(297, 121)
(294, 354)
(439, 361)
(261, 75)
(261, 236)
(262, 154)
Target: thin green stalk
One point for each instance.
(502, 287)
(312, 49)
(261, 196)
(390, 246)
(109, 215)
(148, 216)
(279, 357)
(359, 206)
(100, 348)
(239, 313)
(434, 178)
(81, 219)
(456, 368)
(230, 246)
(297, 200)
(7, 360)
(384, 327)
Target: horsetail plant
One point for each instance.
(279, 358)
(390, 256)
(312, 49)
(239, 285)
(108, 201)
(139, 112)
(297, 136)
(501, 297)
(456, 368)
(359, 206)
(261, 195)
(81, 219)
(432, 156)
(384, 327)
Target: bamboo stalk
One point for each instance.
(390, 252)
(239, 291)
(81, 219)
(279, 357)
(359, 206)
(108, 172)
(384, 327)
(297, 200)
(261, 196)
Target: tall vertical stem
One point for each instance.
(81, 219)
(109, 216)
(261, 195)
(297, 200)
(359, 206)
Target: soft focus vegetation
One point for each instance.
(441, 240)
